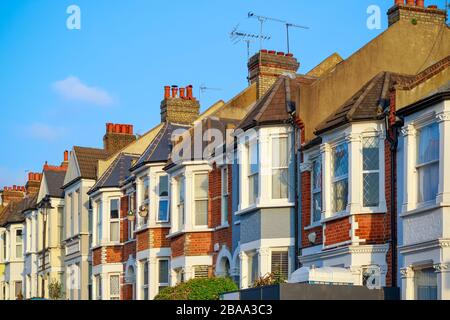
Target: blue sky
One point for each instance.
(59, 87)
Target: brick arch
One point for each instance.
(224, 257)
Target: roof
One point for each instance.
(87, 159)
(117, 172)
(14, 211)
(273, 106)
(159, 149)
(369, 103)
(55, 181)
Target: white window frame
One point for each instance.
(286, 168)
(318, 159)
(254, 175)
(181, 202)
(111, 296)
(200, 199)
(225, 194)
(17, 244)
(145, 281)
(98, 287)
(380, 176)
(131, 207)
(420, 166)
(112, 221)
(165, 284)
(99, 222)
(163, 198)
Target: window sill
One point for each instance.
(313, 226)
(222, 227)
(182, 232)
(337, 216)
(420, 210)
(265, 206)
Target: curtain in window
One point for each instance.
(201, 199)
(340, 178)
(114, 288)
(426, 284)
(428, 162)
(280, 179)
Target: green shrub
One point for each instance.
(269, 279)
(198, 289)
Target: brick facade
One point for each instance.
(337, 232)
(417, 15)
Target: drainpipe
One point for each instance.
(393, 142)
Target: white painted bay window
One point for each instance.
(201, 200)
(98, 287)
(280, 167)
(99, 231)
(145, 279)
(163, 204)
(131, 208)
(316, 190)
(181, 198)
(428, 162)
(19, 244)
(114, 220)
(339, 171)
(371, 172)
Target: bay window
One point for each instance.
(316, 189)
(339, 171)
(181, 202)
(146, 191)
(144, 275)
(60, 225)
(280, 163)
(114, 221)
(371, 172)
(225, 195)
(428, 162)
(163, 274)
(280, 264)
(426, 284)
(201, 200)
(98, 288)
(163, 193)
(253, 172)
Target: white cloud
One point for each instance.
(45, 132)
(72, 88)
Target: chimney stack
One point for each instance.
(265, 67)
(180, 107)
(117, 137)
(33, 183)
(414, 12)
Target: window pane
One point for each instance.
(181, 190)
(428, 144)
(18, 236)
(426, 284)
(371, 154)
(317, 175)
(114, 236)
(428, 182)
(114, 287)
(340, 161)
(146, 190)
(280, 152)
(253, 188)
(201, 186)
(225, 181)
(280, 184)
(201, 213)
(163, 210)
(280, 264)
(164, 186)
(317, 207)
(253, 158)
(145, 274)
(163, 271)
(254, 269)
(340, 196)
(371, 189)
(114, 209)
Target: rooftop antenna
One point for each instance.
(288, 25)
(236, 36)
(204, 88)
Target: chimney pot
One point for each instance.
(30, 176)
(264, 51)
(410, 2)
(290, 55)
(174, 91)
(420, 3)
(66, 156)
(117, 128)
(433, 6)
(399, 2)
(182, 93)
(189, 92)
(166, 92)
(131, 128)
(272, 52)
(280, 53)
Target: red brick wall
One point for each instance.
(129, 249)
(373, 228)
(127, 292)
(97, 257)
(192, 244)
(337, 231)
(143, 241)
(158, 238)
(114, 254)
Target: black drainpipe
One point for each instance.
(393, 142)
